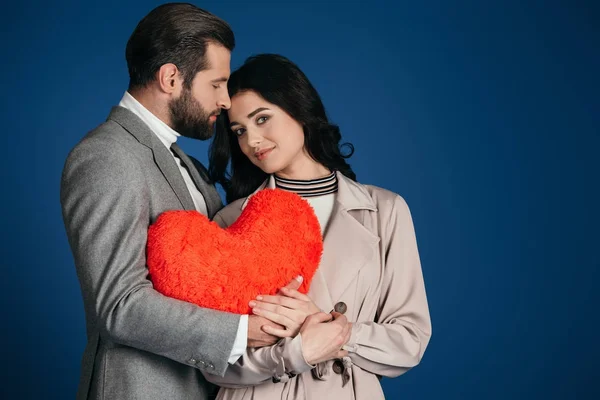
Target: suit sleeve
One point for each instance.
(396, 340)
(105, 202)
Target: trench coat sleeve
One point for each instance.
(396, 340)
(272, 363)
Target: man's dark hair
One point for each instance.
(175, 33)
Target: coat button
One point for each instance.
(192, 361)
(340, 307)
(338, 367)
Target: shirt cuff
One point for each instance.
(241, 340)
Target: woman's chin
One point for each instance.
(268, 168)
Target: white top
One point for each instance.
(323, 206)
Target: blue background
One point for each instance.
(485, 116)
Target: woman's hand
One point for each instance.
(289, 308)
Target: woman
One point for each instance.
(276, 134)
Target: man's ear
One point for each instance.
(169, 78)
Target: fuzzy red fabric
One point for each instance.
(276, 238)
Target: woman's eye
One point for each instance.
(239, 132)
(261, 120)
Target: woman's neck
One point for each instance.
(304, 172)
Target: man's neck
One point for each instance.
(148, 99)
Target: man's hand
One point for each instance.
(257, 337)
(323, 338)
(258, 327)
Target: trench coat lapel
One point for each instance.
(347, 245)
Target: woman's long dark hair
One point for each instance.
(279, 81)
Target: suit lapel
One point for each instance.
(211, 197)
(162, 156)
(167, 165)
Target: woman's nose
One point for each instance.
(254, 139)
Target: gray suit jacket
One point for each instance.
(141, 344)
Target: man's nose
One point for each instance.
(224, 101)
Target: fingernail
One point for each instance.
(252, 303)
(299, 278)
(259, 297)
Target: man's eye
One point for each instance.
(216, 86)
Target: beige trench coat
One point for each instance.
(370, 264)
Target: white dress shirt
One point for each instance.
(167, 137)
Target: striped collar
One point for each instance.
(308, 188)
(351, 195)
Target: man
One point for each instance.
(117, 180)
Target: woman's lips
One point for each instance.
(261, 155)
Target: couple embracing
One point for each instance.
(365, 315)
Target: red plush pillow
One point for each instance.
(276, 238)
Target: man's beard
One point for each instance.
(188, 117)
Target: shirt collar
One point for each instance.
(163, 131)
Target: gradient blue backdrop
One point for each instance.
(483, 115)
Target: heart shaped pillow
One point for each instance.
(276, 238)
